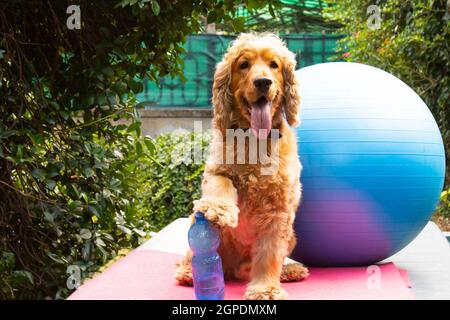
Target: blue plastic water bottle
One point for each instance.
(207, 269)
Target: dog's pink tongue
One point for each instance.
(261, 121)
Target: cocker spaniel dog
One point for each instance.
(255, 93)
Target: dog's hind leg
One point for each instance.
(292, 270)
(183, 272)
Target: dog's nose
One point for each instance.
(262, 84)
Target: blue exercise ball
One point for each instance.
(373, 165)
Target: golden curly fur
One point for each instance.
(254, 211)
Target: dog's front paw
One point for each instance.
(219, 212)
(265, 292)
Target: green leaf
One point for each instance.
(212, 16)
(85, 197)
(20, 277)
(6, 134)
(88, 172)
(7, 261)
(120, 4)
(155, 7)
(85, 234)
(57, 259)
(19, 153)
(272, 13)
(112, 98)
(238, 24)
(75, 189)
(86, 250)
(124, 229)
(94, 210)
(52, 173)
(106, 193)
(90, 102)
(115, 184)
(37, 138)
(100, 99)
(108, 236)
(252, 5)
(51, 184)
(64, 114)
(74, 205)
(27, 115)
(120, 87)
(135, 126)
(38, 174)
(150, 144)
(99, 242)
(139, 149)
(136, 86)
(139, 232)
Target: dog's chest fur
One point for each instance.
(264, 200)
(260, 199)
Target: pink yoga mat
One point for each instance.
(148, 275)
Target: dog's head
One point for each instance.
(255, 84)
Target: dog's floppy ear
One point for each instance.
(222, 97)
(291, 91)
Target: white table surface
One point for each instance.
(427, 258)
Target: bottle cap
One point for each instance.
(199, 215)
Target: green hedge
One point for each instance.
(173, 180)
(444, 207)
(131, 187)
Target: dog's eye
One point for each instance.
(244, 65)
(273, 65)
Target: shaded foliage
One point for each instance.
(173, 182)
(284, 16)
(444, 207)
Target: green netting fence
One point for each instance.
(204, 51)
